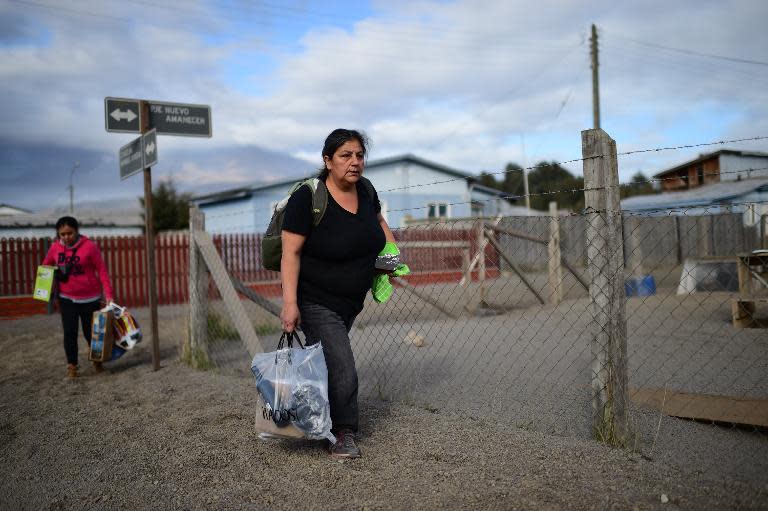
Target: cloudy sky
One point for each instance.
(468, 84)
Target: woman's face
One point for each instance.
(67, 234)
(347, 162)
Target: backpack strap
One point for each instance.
(319, 197)
(319, 200)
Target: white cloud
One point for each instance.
(456, 82)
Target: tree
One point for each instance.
(549, 181)
(638, 185)
(488, 180)
(513, 179)
(170, 209)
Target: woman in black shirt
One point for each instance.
(327, 270)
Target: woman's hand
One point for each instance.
(290, 317)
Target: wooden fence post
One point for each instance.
(195, 351)
(555, 258)
(633, 249)
(481, 262)
(605, 260)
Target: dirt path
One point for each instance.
(180, 439)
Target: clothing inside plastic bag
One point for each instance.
(293, 383)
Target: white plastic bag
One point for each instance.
(293, 390)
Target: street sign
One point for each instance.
(180, 119)
(149, 147)
(122, 115)
(130, 156)
(138, 154)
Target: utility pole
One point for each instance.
(72, 189)
(595, 82)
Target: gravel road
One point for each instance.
(133, 438)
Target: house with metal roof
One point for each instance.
(409, 188)
(725, 165)
(747, 196)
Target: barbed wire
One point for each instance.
(689, 146)
(575, 160)
(244, 212)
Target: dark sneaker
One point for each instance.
(72, 372)
(345, 446)
(97, 367)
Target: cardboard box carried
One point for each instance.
(44, 283)
(101, 336)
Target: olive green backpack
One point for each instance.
(272, 242)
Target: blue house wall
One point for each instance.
(406, 186)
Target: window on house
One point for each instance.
(700, 174)
(437, 210)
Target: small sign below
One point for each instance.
(122, 115)
(180, 119)
(131, 160)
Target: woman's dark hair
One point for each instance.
(338, 138)
(69, 221)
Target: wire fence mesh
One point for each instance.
(549, 322)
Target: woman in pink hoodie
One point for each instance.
(82, 279)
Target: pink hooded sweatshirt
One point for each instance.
(88, 276)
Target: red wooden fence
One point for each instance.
(125, 260)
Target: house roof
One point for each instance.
(715, 193)
(93, 218)
(244, 192)
(7, 209)
(706, 156)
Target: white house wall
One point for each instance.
(405, 189)
(412, 187)
(733, 167)
(234, 216)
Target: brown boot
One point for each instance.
(71, 371)
(97, 367)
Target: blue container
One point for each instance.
(640, 286)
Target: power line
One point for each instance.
(692, 52)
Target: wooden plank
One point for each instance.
(516, 234)
(518, 271)
(235, 307)
(705, 407)
(434, 244)
(424, 296)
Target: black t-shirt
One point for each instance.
(338, 256)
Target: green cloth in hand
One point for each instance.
(381, 289)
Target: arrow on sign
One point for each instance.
(149, 149)
(128, 115)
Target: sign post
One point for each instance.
(149, 118)
(149, 227)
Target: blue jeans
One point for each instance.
(322, 324)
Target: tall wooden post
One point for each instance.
(481, 243)
(149, 227)
(605, 260)
(595, 80)
(634, 251)
(704, 235)
(555, 257)
(197, 349)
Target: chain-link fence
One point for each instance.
(645, 330)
